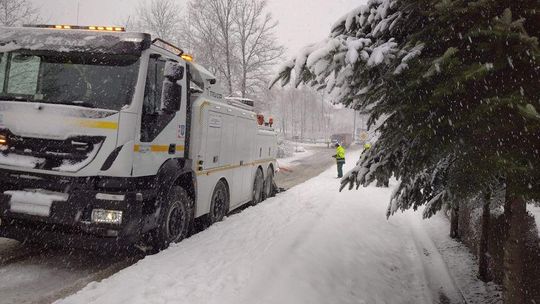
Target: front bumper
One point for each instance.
(69, 222)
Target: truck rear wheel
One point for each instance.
(176, 218)
(219, 206)
(258, 185)
(268, 184)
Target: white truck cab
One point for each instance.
(108, 138)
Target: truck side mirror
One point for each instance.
(171, 96)
(172, 91)
(173, 71)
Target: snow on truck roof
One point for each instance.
(73, 40)
(244, 101)
(92, 39)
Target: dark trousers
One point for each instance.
(340, 164)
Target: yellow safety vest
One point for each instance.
(340, 153)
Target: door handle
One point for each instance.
(172, 148)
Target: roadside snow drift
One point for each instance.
(310, 244)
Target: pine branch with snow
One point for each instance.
(450, 88)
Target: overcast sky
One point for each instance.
(300, 21)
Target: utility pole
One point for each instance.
(322, 117)
(78, 9)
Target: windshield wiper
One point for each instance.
(16, 98)
(77, 103)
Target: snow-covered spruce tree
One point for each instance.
(362, 63)
(486, 83)
(454, 86)
(453, 82)
(499, 71)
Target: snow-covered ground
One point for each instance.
(310, 244)
(289, 162)
(461, 264)
(535, 211)
(308, 144)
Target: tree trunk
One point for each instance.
(483, 264)
(229, 68)
(513, 289)
(454, 223)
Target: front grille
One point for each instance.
(50, 154)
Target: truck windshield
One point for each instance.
(88, 80)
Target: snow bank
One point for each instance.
(293, 153)
(291, 160)
(299, 149)
(311, 244)
(287, 149)
(461, 264)
(535, 211)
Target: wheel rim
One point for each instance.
(176, 222)
(220, 203)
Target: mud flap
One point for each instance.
(276, 189)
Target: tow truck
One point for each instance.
(111, 138)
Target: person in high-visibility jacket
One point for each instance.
(340, 159)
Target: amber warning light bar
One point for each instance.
(79, 27)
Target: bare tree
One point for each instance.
(158, 17)
(17, 12)
(236, 38)
(294, 110)
(211, 34)
(258, 45)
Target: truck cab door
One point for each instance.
(163, 116)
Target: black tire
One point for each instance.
(268, 184)
(219, 206)
(175, 219)
(258, 187)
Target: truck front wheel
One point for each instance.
(176, 218)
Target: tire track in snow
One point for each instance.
(343, 244)
(14, 252)
(293, 238)
(439, 281)
(39, 274)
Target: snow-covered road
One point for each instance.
(34, 274)
(310, 244)
(301, 167)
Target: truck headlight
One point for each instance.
(107, 216)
